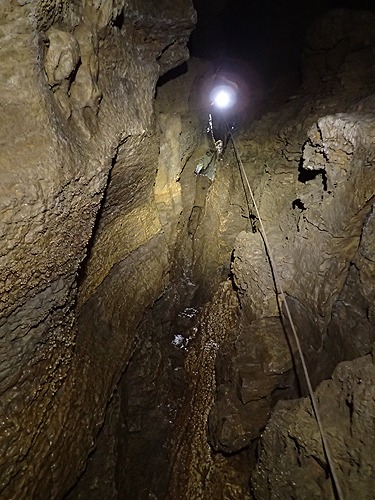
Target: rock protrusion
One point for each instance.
(291, 459)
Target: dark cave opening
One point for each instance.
(269, 35)
(118, 22)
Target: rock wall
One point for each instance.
(155, 390)
(311, 165)
(175, 323)
(210, 356)
(77, 87)
(292, 463)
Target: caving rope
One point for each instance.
(218, 144)
(335, 482)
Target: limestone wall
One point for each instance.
(77, 84)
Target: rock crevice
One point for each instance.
(138, 308)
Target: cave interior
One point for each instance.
(164, 263)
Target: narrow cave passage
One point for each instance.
(211, 358)
(143, 352)
(158, 388)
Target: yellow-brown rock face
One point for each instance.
(77, 81)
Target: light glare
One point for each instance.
(222, 99)
(223, 96)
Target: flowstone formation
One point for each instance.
(77, 87)
(139, 319)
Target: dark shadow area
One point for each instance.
(306, 175)
(82, 270)
(269, 35)
(118, 22)
(172, 74)
(298, 204)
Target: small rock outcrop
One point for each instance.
(291, 460)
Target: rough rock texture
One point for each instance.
(314, 251)
(77, 86)
(251, 371)
(98, 190)
(291, 460)
(305, 162)
(311, 166)
(192, 463)
(156, 386)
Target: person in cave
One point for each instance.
(219, 139)
(223, 97)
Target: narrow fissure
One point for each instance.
(161, 214)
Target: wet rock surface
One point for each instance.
(158, 376)
(250, 373)
(76, 94)
(192, 463)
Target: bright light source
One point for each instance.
(223, 96)
(222, 99)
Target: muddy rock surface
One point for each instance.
(145, 352)
(77, 85)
